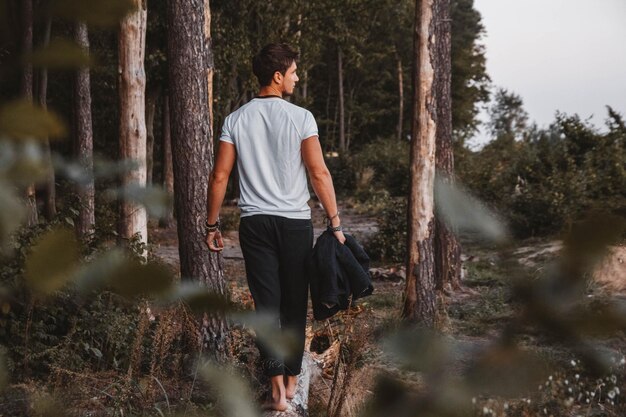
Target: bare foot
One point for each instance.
(278, 401)
(291, 384)
(280, 405)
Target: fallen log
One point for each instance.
(298, 406)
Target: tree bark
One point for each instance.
(210, 62)
(168, 171)
(342, 117)
(83, 145)
(447, 248)
(32, 218)
(132, 88)
(400, 98)
(420, 297)
(192, 156)
(50, 210)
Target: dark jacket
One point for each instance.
(336, 272)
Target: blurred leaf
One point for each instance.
(462, 211)
(505, 371)
(603, 320)
(11, 213)
(588, 240)
(100, 13)
(60, 54)
(28, 163)
(52, 261)
(281, 343)
(126, 276)
(102, 169)
(96, 273)
(233, 393)
(419, 349)
(199, 298)
(108, 169)
(136, 279)
(45, 405)
(21, 119)
(155, 199)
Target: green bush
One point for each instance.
(384, 164)
(389, 244)
(548, 180)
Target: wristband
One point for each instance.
(212, 227)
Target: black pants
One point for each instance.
(275, 250)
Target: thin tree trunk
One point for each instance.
(132, 87)
(400, 98)
(447, 248)
(327, 135)
(50, 210)
(192, 156)
(32, 218)
(305, 85)
(342, 128)
(420, 297)
(83, 144)
(151, 99)
(168, 170)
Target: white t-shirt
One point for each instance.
(267, 133)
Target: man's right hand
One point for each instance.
(214, 241)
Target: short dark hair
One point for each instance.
(273, 57)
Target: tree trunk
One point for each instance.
(192, 156)
(420, 298)
(305, 85)
(447, 248)
(151, 100)
(210, 64)
(50, 210)
(400, 98)
(83, 144)
(168, 172)
(32, 218)
(342, 127)
(132, 87)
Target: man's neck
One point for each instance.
(270, 90)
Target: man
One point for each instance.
(273, 141)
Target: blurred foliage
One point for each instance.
(60, 54)
(24, 120)
(69, 309)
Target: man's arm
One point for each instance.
(321, 180)
(218, 181)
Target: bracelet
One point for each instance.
(336, 228)
(212, 227)
(329, 219)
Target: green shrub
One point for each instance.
(389, 243)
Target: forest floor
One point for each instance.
(473, 317)
(352, 349)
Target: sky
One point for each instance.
(566, 55)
